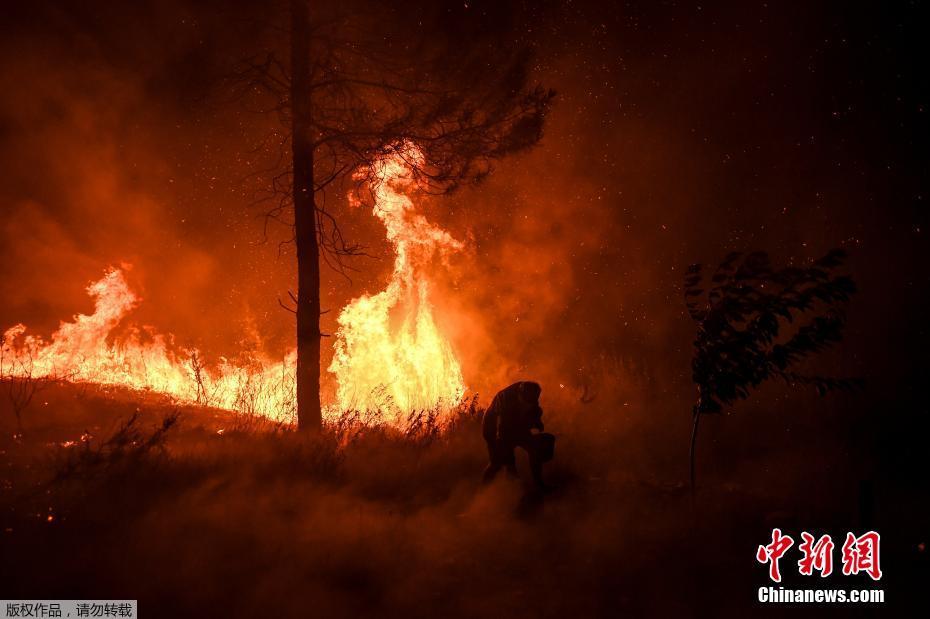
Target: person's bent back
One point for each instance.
(508, 423)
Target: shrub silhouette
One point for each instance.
(740, 315)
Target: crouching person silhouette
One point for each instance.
(509, 423)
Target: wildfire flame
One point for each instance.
(390, 358)
(86, 351)
(390, 355)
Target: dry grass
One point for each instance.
(198, 513)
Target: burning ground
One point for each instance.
(390, 357)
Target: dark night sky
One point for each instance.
(681, 131)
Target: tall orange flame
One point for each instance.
(390, 355)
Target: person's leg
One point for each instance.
(494, 464)
(509, 460)
(536, 469)
(534, 451)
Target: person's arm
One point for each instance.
(490, 426)
(537, 419)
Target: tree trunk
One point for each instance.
(693, 472)
(309, 415)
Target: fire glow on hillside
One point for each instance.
(390, 357)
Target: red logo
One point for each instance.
(773, 552)
(817, 556)
(860, 554)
